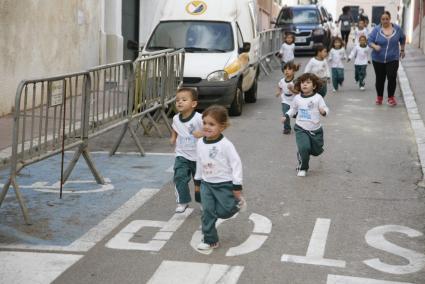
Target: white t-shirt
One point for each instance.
(361, 55)
(285, 94)
(307, 110)
(217, 161)
(287, 52)
(358, 33)
(186, 142)
(318, 67)
(336, 56)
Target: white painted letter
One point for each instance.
(375, 238)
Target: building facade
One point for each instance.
(413, 22)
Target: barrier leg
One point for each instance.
(155, 125)
(120, 138)
(136, 140)
(167, 123)
(89, 161)
(12, 181)
(72, 163)
(264, 68)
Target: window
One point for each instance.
(194, 36)
(299, 16)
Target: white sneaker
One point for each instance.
(205, 246)
(302, 173)
(181, 207)
(242, 205)
(333, 90)
(361, 88)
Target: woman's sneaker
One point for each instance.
(379, 100)
(181, 207)
(205, 246)
(392, 101)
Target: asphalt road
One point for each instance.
(358, 217)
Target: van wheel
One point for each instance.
(236, 107)
(251, 94)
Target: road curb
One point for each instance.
(415, 118)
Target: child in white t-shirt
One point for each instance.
(308, 106)
(287, 49)
(359, 31)
(287, 92)
(187, 128)
(318, 65)
(336, 57)
(218, 175)
(361, 55)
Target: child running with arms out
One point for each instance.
(359, 31)
(187, 128)
(287, 91)
(308, 106)
(318, 65)
(361, 55)
(286, 52)
(218, 174)
(336, 56)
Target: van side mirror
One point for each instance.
(245, 48)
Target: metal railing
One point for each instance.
(157, 78)
(63, 112)
(270, 42)
(51, 116)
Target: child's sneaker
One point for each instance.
(302, 173)
(361, 88)
(392, 101)
(181, 207)
(205, 246)
(242, 205)
(286, 131)
(379, 100)
(334, 90)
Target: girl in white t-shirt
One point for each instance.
(218, 175)
(308, 106)
(286, 52)
(336, 57)
(287, 92)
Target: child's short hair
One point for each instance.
(192, 91)
(292, 66)
(361, 20)
(219, 113)
(290, 35)
(340, 41)
(319, 48)
(363, 36)
(317, 82)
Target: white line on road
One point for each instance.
(30, 267)
(177, 272)
(338, 279)
(316, 248)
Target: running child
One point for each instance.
(308, 106)
(359, 31)
(336, 56)
(286, 52)
(318, 65)
(218, 175)
(187, 128)
(361, 54)
(287, 91)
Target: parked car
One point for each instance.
(311, 25)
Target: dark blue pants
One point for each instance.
(337, 77)
(287, 123)
(360, 74)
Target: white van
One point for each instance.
(222, 48)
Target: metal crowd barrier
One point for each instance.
(51, 116)
(270, 42)
(157, 78)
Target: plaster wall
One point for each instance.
(40, 38)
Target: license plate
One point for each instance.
(300, 40)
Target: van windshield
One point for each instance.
(299, 16)
(194, 36)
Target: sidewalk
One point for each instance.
(412, 84)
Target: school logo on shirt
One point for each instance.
(213, 152)
(191, 128)
(196, 7)
(310, 105)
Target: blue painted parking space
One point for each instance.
(59, 222)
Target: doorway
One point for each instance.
(377, 11)
(130, 28)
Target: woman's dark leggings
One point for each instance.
(345, 35)
(385, 71)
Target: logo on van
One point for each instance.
(196, 7)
